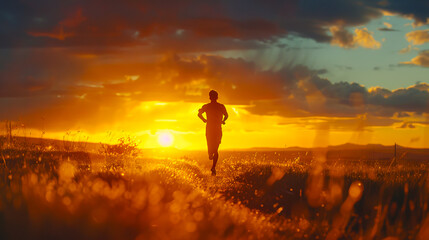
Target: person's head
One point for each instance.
(213, 95)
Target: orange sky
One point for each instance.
(285, 71)
(147, 121)
(267, 108)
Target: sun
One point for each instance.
(165, 138)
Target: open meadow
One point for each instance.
(48, 194)
(315, 115)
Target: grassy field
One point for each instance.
(256, 195)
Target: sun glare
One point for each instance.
(165, 139)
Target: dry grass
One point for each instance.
(60, 195)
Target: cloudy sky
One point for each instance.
(291, 73)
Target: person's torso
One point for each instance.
(214, 111)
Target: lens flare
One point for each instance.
(165, 139)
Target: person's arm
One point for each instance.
(200, 115)
(225, 115)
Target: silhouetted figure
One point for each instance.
(216, 116)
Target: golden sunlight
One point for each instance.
(165, 138)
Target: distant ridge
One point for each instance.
(345, 146)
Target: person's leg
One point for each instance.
(209, 145)
(210, 149)
(215, 158)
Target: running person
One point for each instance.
(216, 116)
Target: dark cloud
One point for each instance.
(412, 99)
(402, 115)
(417, 9)
(188, 26)
(125, 23)
(33, 72)
(49, 23)
(342, 37)
(387, 29)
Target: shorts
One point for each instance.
(214, 137)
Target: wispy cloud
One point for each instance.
(408, 49)
(361, 38)
(418, 37)
(420, 60)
